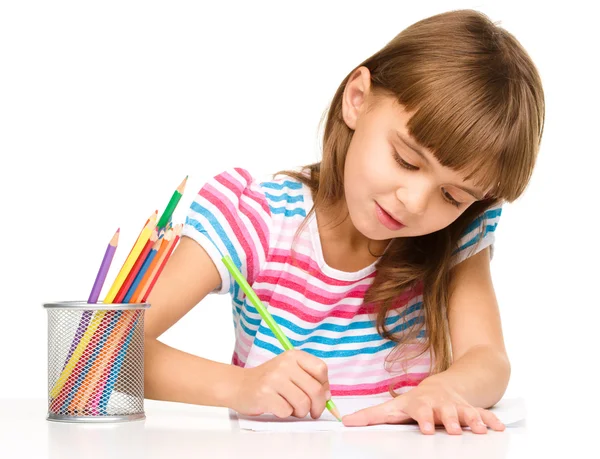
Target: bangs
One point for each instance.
(482, 130)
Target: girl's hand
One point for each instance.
(429, 403)
(294, 383)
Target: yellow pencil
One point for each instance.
(130, 261)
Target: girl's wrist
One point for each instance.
(227, 391)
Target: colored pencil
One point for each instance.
(143, 286)
(168, 212)
(165, 259)
(142, 271)
(104, 266)
(98, 316)
(131, 259)
(108, 384)
(87, 336)
(84, 366)
(90, 388)
(96, 289)
(267, 317)
(139, 262)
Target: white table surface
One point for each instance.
(174, 430)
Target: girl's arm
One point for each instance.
(479, 374)
(293, 383)
(481, 369)
(171, 374)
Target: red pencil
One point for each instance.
(178, 230)
(136, 267)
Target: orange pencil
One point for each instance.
(79, 403)
(163, 262)
(136, 267)
(163, 245)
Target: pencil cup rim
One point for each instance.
(94, 306)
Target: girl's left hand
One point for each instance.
(429, 403)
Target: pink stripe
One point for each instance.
(257, 220)
(380, 373)
(306, 263)
(257, 196)
(245, 339)
(294, 307)
(407, 380)
(311, 292)
(221, 202)
(274, 276)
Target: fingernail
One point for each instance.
(327, 395)
(428, 426)
(455, 426)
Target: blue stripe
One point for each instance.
(345, 339)
(476, 238)
(343, 328)
(233, 288)
(489, 214)
(288, 212)
(284, 197)
(328, 354)
(280, 186)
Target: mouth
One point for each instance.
(387, 220)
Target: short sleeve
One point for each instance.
(230, 216)
(478, 235)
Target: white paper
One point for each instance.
(509, 411)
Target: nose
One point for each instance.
(415, 198)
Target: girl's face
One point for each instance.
(392, 190)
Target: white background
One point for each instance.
(106, 106)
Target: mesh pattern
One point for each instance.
(95, 362)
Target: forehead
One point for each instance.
(399, 118)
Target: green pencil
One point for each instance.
(166, 215)
(267, 317)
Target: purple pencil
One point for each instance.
(95, 293)
(101, 276)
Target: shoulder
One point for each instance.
(478, 235)
(286, 196)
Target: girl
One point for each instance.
(375, 261)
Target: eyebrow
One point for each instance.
(476, 194)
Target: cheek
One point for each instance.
(440, 217)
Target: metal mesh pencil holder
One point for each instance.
(95, 361)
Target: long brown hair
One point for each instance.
(478, 105)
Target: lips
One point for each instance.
(387, 220)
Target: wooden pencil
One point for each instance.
(143, 285)
(155, 265)
(170, 249)
(139, 262)
(168, 212)
(131, 259)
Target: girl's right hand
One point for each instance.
(294, 383)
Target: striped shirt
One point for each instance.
(319, 308)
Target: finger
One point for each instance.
(471, 417)
(449, 417)
(279, 407)
(384, 413)
(313, 366)
(299, 401)
(315, 391)
(423, 414)
(491, 419)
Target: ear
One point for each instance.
(355, 96)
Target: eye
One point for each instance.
(404, 164)
(448, 197)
